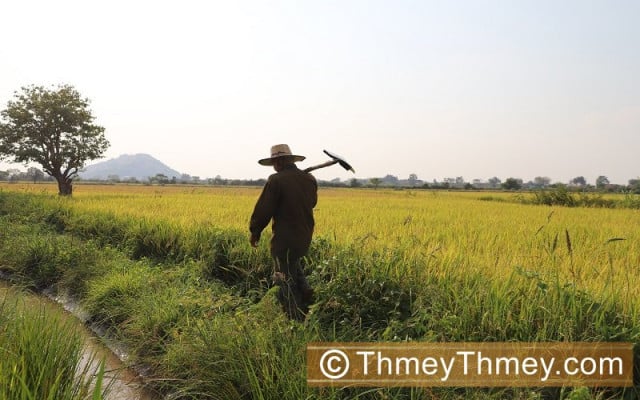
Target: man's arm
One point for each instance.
(263, 211)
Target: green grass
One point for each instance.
(42, 355)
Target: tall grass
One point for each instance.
(42, 355)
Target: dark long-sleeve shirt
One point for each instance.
(288, 198)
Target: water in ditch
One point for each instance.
(125, 384)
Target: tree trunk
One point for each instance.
(65, 188)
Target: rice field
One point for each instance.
(442, 231)
(386, 264)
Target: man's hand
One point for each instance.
(254, 240)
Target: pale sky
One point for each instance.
(437, 88)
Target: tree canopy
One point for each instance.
(512, 184)
(602, 181)
(51, 127)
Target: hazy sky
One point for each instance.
(436, 88)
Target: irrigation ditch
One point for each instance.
(120, 381)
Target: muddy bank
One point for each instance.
(125, 383)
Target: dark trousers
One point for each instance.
(295, 294)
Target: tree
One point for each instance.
(602, 181)
(494, 182)
(160, 178)
(541, 181)
(413, 179)
(579, 181)
(512, 184)
(35, 174)
(634, 185)
(54, 128)
(375, 182)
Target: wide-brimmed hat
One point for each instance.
(280, 150)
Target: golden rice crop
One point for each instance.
(445, 233)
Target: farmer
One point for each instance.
(288, 199)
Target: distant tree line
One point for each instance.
(579, 183)
(602, 183)
(32, 174)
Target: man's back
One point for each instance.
(288, 198)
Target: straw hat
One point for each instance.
(280, 150)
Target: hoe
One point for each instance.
(335, 159)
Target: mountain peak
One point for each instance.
(140, 166)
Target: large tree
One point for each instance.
(54, 128)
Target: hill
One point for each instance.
(139, 166)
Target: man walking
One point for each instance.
(288, 198)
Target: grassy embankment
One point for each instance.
(169, 271)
